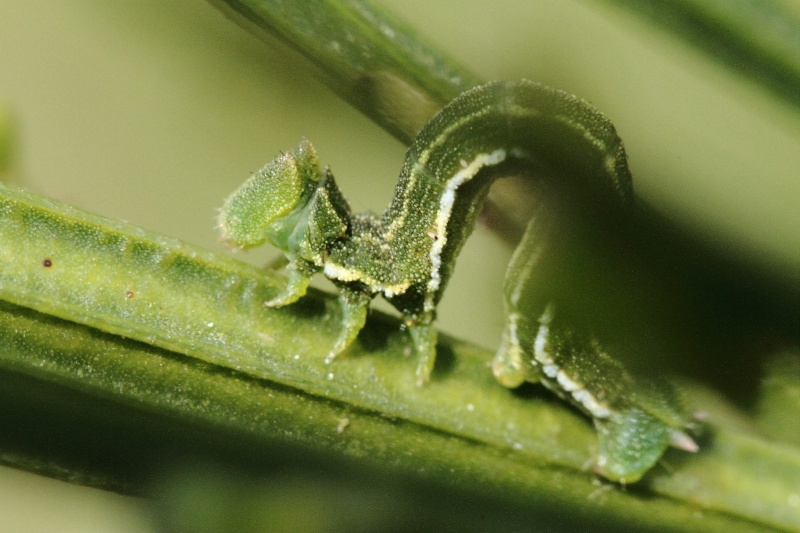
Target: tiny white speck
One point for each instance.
(470, 407)
(517, 446)
(210, 324)
(296, 356)
(387, 31)
(330, 376)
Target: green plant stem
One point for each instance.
(759, 39)
(122, 280)
(370, 59)
(127, 372)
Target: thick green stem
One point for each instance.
(146, 287)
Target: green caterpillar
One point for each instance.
(408, 253)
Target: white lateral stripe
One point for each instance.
(513, 318)
(559, 377)
(341, 273)
(443, 216)
(567, 383)
(594, 407)
(540, 343)
(524, 275)
(422, 161)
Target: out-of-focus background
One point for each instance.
(153, 112)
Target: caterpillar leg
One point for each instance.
(511, 364)
(523, 299)
(629, 443)
(295, 288)
(423, 335)
(354, 316)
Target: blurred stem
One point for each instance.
(369, 58)
(759, 39)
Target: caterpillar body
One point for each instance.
(407, 254)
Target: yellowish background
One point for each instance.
(154, 111)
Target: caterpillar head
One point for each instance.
(290, 203)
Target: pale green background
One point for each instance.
(153, 111)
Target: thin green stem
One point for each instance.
(759, 39)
